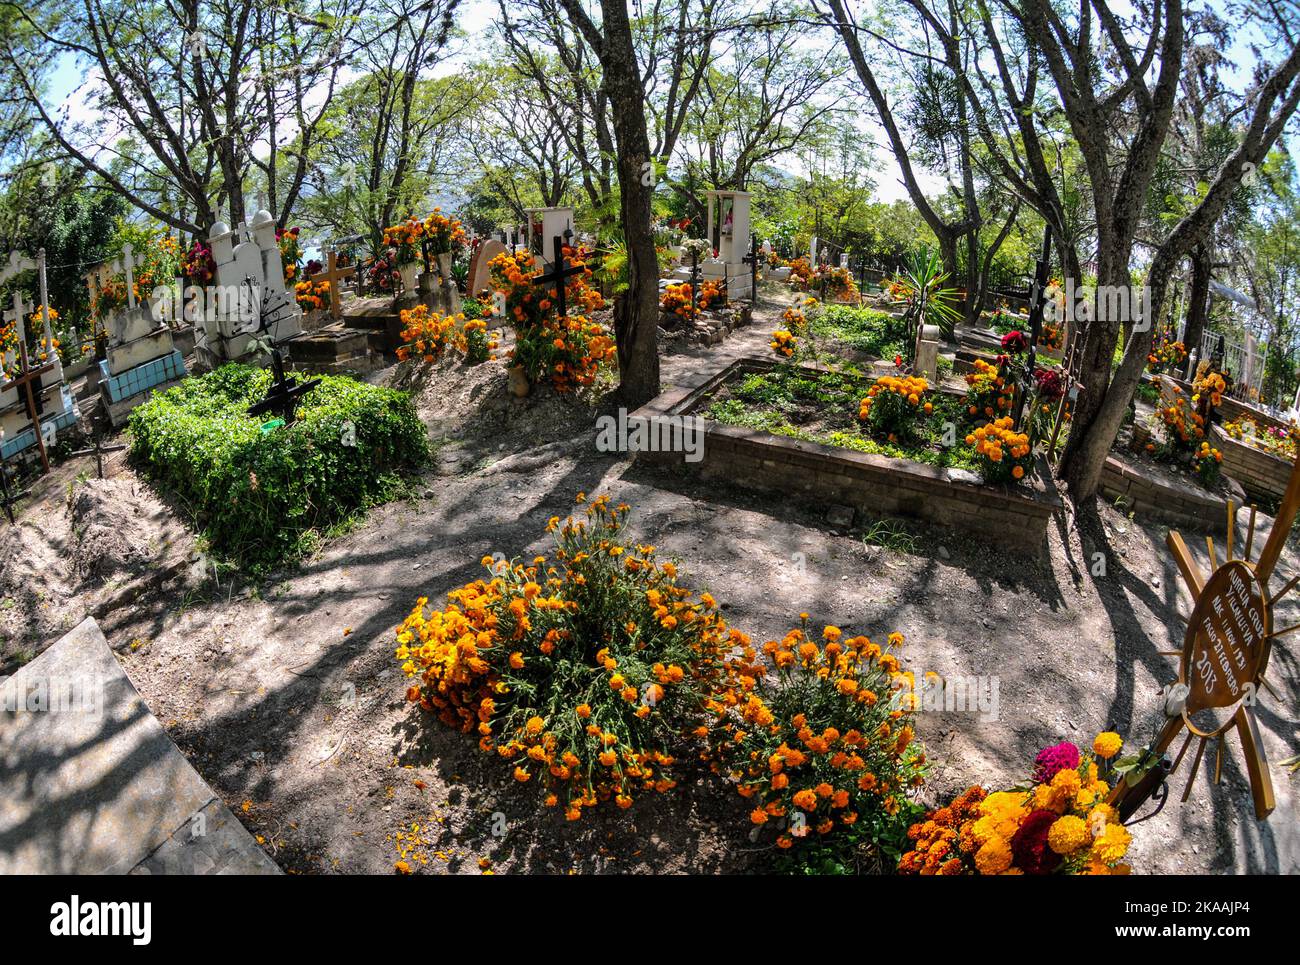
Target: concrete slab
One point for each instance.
(90, 783)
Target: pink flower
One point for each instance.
(1051, 760)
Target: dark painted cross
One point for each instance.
(751, 259)
(7, 496)
(1037, 300)
(557, 276)
(98, 449)
(283, 395)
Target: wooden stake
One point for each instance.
(1250, 533)
(1196, 763)
(1261, 784)
(1232, 523)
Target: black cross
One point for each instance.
(282, 397)
(1036, 300)
(99, 448)
(751, 259)
(558, 274)
(7, 496)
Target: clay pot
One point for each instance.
(519, 385)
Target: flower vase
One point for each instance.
(444, 267)
(410, 273)
(519, 385)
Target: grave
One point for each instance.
(250, 272)
(141, 357)
(546, 223)
(729, 213)
(480, 276)
(335, 347)
(37, 395)
(92, 784)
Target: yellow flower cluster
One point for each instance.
(893, 403)
(1060, 825)
(1003, 453)
(581, 673)
(813, 771)
(783, 342)
(987, 393)
(794, 319)
(425, 334)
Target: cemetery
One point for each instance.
(517, 462)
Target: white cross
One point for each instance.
(16, 315)
(16, 266)
(126, 264)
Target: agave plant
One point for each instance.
(929, 302)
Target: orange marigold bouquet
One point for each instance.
(783, 342)
(794, 319)
(312, 295)
(801, 273)
(426, 335)
(1003, 453)
(825, 744)
(987, 392)
(1061, 824)
(582, 673)
(405, 239)
(893, 404)
(444, 233)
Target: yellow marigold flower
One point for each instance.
(993, 857)
(1107, 745)
(1112, 845)
(1068, 835)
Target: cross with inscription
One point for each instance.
(283, 395)
(557, 276)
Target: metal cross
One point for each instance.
(751, 259)
(282, 397)
(557, 275)
(99, 448)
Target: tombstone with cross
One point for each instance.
(246, 251)
(34, 405)
(558, 276)
(283, 395)
(334, 275)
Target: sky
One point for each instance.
(473, 18)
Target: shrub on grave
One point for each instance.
(824, 750)
(263, 496)
(1059, 824)
(581, 674)
(893, 404)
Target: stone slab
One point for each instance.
(97, 786)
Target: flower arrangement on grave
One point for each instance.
(821, 746)
(1208, 463)
(676, 300)
(899, 289)
(1015, 342)
(290, 252)
(1001, 320)
(801, 274)
(1208, 388)
(566, 350)
(580, 673)
(36, 323)
(198, 266)
(987, 392)
(426, 334)
(699, 247)
(1166, 353)
(404, 240)
(1271, 439)
(840, 285)
(444, 233)
(476, 342)
(1051, 338)
(1061, 824)
(382, 271)
(1184, 428)
(312, 296)
(1003, 453)
(893, 403)
(784, 343)
(794, 319)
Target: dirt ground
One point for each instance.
(286, 696)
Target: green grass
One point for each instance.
(823, 406)
(874, 333)
(264, 499)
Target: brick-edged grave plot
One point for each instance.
(1142, 488)
(1262, 475)
(871, 484)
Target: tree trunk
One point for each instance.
(1198, 299)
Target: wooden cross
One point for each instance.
(557, 276)
(334, 274)
(28, 375)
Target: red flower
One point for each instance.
(1014, 341)
(1029, 848)
(1051, 760)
